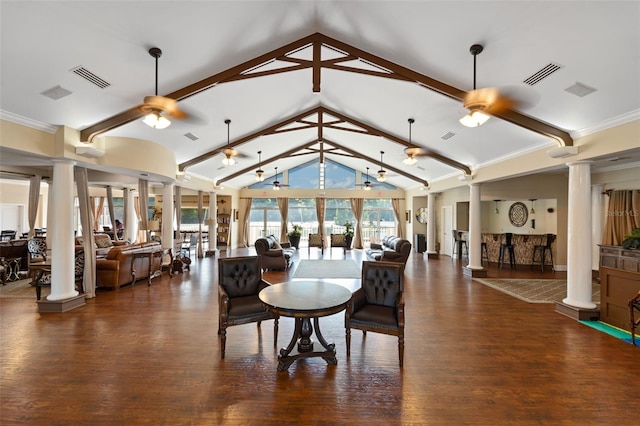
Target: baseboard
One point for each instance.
(578, 314)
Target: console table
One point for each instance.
(620, 282)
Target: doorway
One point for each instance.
(445, 233)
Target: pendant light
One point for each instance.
(382, 173)
(411, 159)
(228, 153)
(276, 184)
(367, 183)
(259, 172)
(153, 118)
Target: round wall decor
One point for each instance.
(518, 214)
(422, 215)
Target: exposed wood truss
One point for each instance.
(347, 58)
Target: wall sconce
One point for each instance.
(497, 211)
(407, 216)
(533, 200)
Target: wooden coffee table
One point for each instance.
(304, 300)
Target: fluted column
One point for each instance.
(579, 292)
(60, 232)
(167, 216)
(431, 225)
(597, 224)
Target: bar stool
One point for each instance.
(634, 306)
(484, 253)
(507, 247)
(542, 250)
(459, 245)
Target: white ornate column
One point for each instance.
(431, 226)
(130, 217)
(579, 292)
(475, 268)
(213, 224)
(167, 216)
(597, 224)
(63, 295)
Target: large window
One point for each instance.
(302, 211)
(264, 218)
(337, 212)
(378, 220)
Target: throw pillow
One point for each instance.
(103, 242)
(277, 246)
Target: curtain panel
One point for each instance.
(357, 207)
(320, 204)
(88, 241)
(112, 213)
(34, 198)
(245, 221)
(283, 206)
(623, 215)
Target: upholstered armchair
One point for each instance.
(378, 305)
(239, 282)
(315, 240)
(338, 240)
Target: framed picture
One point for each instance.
(407, 216)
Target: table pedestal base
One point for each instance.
(302, 336)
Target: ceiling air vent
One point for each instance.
(543, 73)
(447, 136)
(580, 89)
(191, 136)
(90, 77)
(56, 93)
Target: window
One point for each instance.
(337, 212)
(264, 218)
(378, 219)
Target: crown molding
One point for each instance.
(607, 124)
(27, 122)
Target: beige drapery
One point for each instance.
(245, 221)
(623, 214)
(178, 206)
(395, 202)
(283, 206)
(357, 207)
(34, 198)
(96, 211)
(320, 204)
(86, 218)
(143, 212)
(125, 195)
(112, 213)
(200, 220)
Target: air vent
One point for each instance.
(447, 136)
(545, 72)
(191, 136)
(580, 89)
(56, 93)
(90, 77)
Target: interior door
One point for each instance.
(447, 226)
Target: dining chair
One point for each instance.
(378, 305)
(315, 240)
(43, 277)
(239, 282)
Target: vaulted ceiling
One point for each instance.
(324, 78)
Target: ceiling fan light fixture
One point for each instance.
(475, 118)
(410, 160)
(382, 175)
(228, 160)
(156, 121)
(276, 186)
(367, 186)
(259, 175)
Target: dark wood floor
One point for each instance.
(151, 355)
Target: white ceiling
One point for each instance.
(596, 43)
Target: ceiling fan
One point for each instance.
(259, 172)
(412, 151)
(230, 153)
(157, 108)
(481, 103)
(276, 183)
(382, 173)
(366, 185)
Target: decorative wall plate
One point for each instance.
(518, 214)
(422, 215)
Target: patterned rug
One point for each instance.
(535, 290)
(327, 269)
(21, 289)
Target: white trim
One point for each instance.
(28, 122)
(607, 124)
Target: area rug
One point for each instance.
(535, 290)
(21, 289)
(327, 269)
(616, 332)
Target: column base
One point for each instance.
(45, 306)
(474, 273)
(578, 314)
(210, 253)
(432, 255)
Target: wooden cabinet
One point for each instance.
(619, 282)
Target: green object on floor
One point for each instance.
(610, 330)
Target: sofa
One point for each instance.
(103, 243)
(118, 266)
(391, 249)
(274, 255)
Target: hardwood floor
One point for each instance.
(473, 355)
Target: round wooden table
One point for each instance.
(304, 300)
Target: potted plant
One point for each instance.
(294, 235)
(632, 241)
(348, 233)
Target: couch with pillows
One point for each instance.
(117, 267)
(103, 243)
(391, 249)
(274, 254)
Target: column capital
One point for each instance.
(579, 163)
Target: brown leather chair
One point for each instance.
(378, 305)
(239, 282)
(315, 240)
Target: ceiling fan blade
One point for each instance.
(162, 103)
